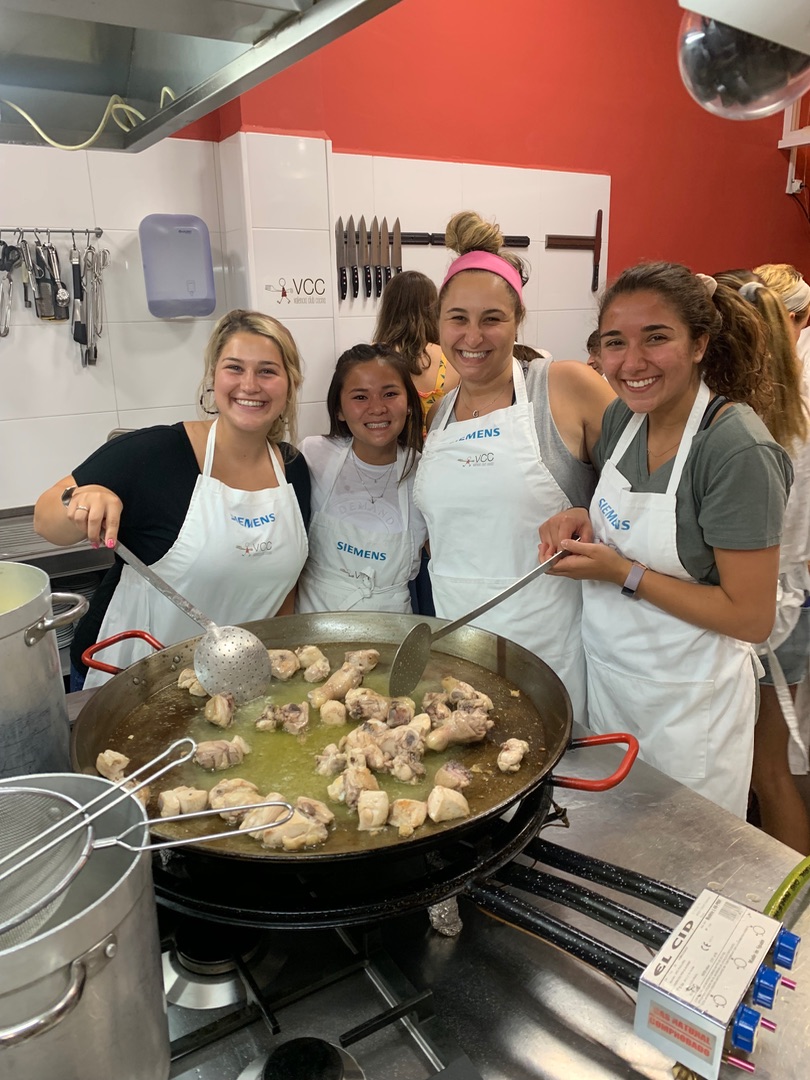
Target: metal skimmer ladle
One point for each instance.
(412, 656)
(228, 659)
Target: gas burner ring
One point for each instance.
(305, 1059)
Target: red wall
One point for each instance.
(580, 85)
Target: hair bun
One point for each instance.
(467, 231)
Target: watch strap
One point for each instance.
(633, 579)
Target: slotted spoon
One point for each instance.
(411, 658)
(227, 659)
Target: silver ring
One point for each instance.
(80, 507)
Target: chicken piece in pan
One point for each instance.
(436, 706)
(220, 754)
(337, 686)
(315, 809)
(407, 768)
(459, 691)
(461, 728)
(331, 762)
(356, 777)
(300, 832)
(219, 710)
(512, 753)
(333, 712)
(229, 794)
(453, 775)
(421, 723)
(291, 717)
(264, 815)
(315, 664)
(187, 680)
(283, 663)
(366, 739)
(372, 810)
(111, 765)
(444, 804)
(401, 711)
(182, 800)
(365, 704)
(406, 815)
(363, 659)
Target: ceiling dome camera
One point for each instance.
(738, 75)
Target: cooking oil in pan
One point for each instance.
(285, 763)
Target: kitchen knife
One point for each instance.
(385, 251)
(364, 256)
(78, 327)
(351, 256)
(340, 248)
(376, 256)
(597, 251)
(396, 248)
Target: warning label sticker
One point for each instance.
(680, 1031)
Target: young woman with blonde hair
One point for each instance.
(216, 507)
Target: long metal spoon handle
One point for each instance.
(532, 574)
(164, 588)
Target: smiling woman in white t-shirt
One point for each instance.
(366, 535)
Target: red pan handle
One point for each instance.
(609, 781)
(98, 665)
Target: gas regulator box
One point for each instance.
(691, 996)
(177, 266)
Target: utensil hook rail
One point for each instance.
(41, 229)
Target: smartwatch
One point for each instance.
(67, 495)
(633, 579)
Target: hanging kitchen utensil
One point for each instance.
(227, 659)
(340, 249)
(385, 245)
(29, 272)
(351, 256)
(10, 258)
(78, 326)
(364, 257)
(61, 297)
(31, 887)
(396, 248)
(376, 256)
(412, 656)
(44, 301)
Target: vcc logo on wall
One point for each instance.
(302, 290)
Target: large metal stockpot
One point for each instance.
(34, 729)
(83, 999)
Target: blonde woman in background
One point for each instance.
(794, 292)
(782, 811)
(217, 507)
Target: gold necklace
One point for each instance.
(477, 412)
(661, 453)
(373, 498)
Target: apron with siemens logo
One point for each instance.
(687, 694)
(351, 568)
(484, 490)
(236, 558)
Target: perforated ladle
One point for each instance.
(411, 658)
(227, 659)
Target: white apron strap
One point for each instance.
(210, 448)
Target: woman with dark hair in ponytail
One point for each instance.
(679, 551)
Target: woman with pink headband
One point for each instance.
(505, 450)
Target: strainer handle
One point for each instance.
(163, 587)
(87, 964)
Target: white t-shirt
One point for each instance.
(357, 483)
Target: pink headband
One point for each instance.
(485, 260)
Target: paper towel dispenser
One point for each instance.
(177, 266)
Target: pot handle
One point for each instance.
(39, 629)
(98, 665)
(609, 781)
(86, 965)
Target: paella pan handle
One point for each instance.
(609, 781)
(99, 665)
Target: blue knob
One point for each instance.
(764, 986)
(744, 1028)
(785, 947)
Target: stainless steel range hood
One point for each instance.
(61, 60)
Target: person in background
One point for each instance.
(506, 449)
(791, 288)
(594, 347)
(782, 811)
(526, 353)
(679, 553)
(216, 507)
(407, 322)
(366, 535)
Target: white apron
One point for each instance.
(688, 695)
(236, 558)
(350, 568)
(484, 490)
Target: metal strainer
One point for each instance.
(227, 659)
